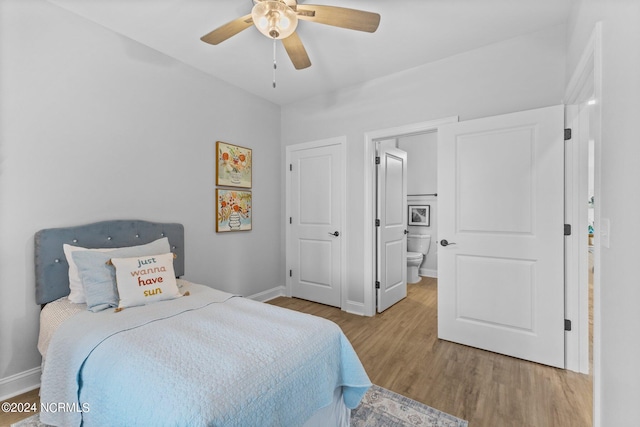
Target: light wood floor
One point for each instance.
(401, 352)
(31, 397)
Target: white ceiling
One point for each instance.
(411, 33)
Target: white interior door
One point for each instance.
(501, 197)
(391, 282)
(314, 238)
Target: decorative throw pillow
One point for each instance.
(146, 279)
(99, 278)
(75, 284)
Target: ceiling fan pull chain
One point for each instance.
(275, 66)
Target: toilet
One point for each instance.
(417, 249)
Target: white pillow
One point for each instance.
(145, 279)
(75, 284)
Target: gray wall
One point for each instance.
(517, 74)
(94, 126)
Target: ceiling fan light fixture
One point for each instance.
(274, 19)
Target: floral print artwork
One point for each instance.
(233, 211)
(233, 168)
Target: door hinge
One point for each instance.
(290, 273)
(567, 229)
(291, 166)
(377, 160)
(290, 220)
(567, 134)
(567, 324)
(377, 223)
(377, 285)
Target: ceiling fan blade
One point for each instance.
(228, 30)
(351, 19)
(296, 51)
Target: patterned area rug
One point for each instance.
(382, 407)
(379, 408)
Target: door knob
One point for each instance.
(335, 233)
(444, 242)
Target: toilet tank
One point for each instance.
(419, 243)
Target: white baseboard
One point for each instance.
(269, 294)
(428, 272)
(281, 291)
(19, 383)
(354, 308)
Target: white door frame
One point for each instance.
(576, 245)
(585, 80)
(341, 141)
(369, 246)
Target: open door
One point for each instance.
(501, 225)
(391, 282)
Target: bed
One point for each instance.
(202, 357)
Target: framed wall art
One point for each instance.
(233, 165)
(420, 215)
(233, 210)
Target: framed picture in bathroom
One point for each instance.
(420, 215)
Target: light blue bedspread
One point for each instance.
(208, 359)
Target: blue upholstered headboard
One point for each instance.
(52, 270)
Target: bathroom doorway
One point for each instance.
(422, 194)
(372, 140)
(406, 214)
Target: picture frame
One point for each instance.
(234, 210)
(233, 165)
(419, 215)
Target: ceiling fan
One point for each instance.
(278, 19)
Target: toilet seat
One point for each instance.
(414, 256)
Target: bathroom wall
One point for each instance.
(421, 181)
(421, 162)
